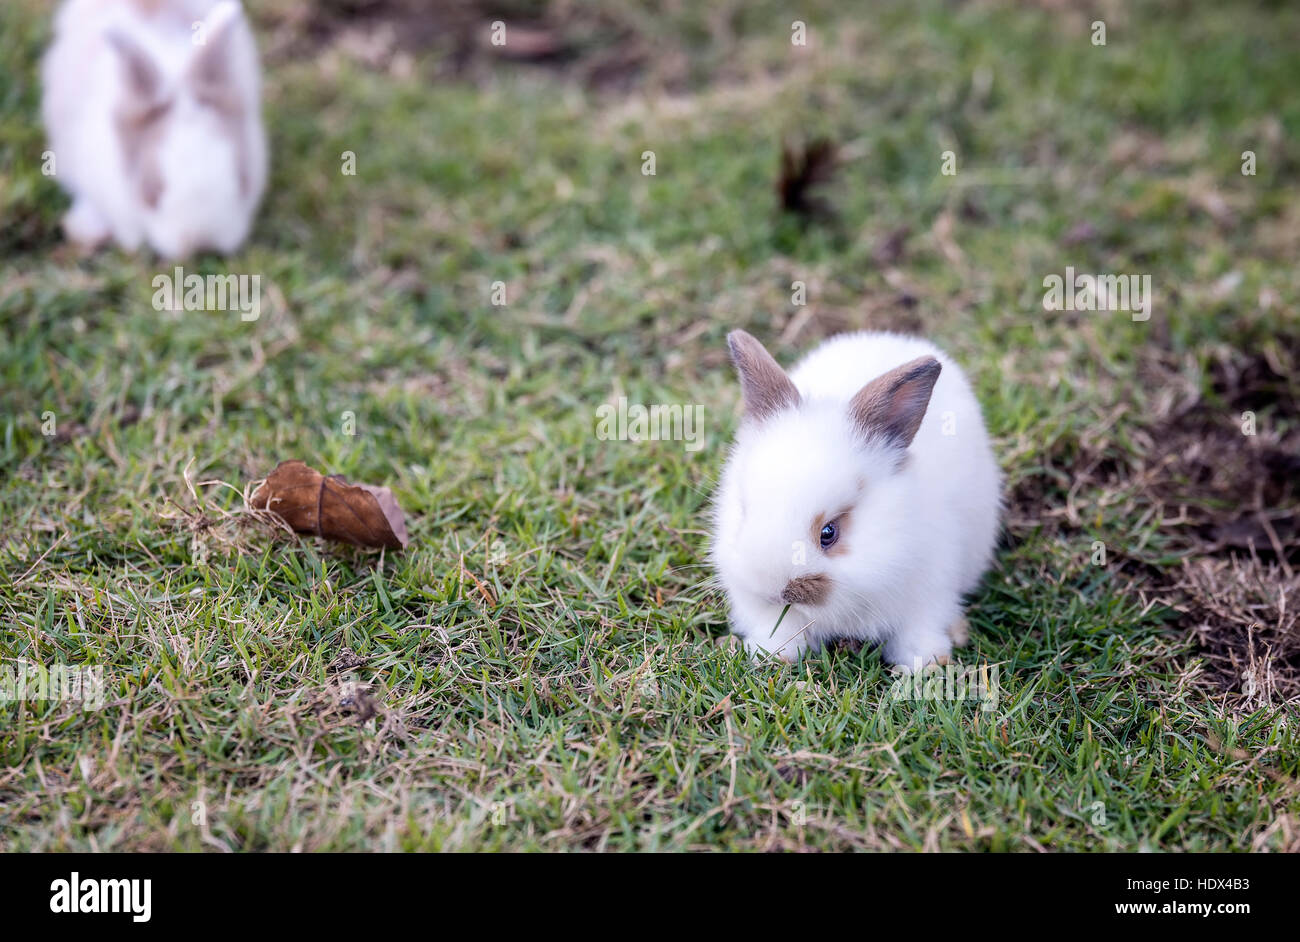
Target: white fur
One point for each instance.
(920, 536)
(201, 206)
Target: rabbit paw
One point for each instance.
(959, 631)
(915, 650)
(84, 225)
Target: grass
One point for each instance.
(544, 660)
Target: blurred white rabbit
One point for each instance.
(861, 499)
(153, 111)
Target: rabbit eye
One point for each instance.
(830, 533)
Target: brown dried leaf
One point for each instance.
(803, 169)
(356, 697)
(332, 508)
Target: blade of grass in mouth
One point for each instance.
(779, 620)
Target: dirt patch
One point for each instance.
(1221, 475)
(1233, 479)
(1235, 461)
(596, 48)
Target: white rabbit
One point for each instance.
(153, 111)
(848, 500)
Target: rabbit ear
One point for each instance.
(143, 79)
(211, 64)
(763, 384)
(894, 403)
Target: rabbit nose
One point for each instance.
(806, 590)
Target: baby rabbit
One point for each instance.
(847, 500)
(153, 111)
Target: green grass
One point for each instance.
(545, 653)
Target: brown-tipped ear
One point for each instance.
(210, 69)
(763, 384)
(893, 404)
(143, 80)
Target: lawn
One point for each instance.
(545, 666)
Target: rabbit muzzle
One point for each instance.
(806, 590)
